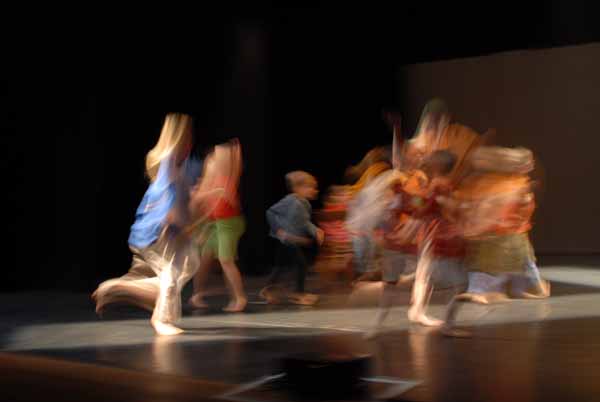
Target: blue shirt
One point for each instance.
(292, 215)
(163, 194)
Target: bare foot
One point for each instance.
(269, 296)
(541, 292)
(423, 319)
(314, 298)
(165, 329)
(196, 301)
(236, 306)
(484, 298)
(309, 298)
(303, 299)
(405, 279)
(427, 321)
(496, 297)
(545, 288)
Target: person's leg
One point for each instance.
(301, 267)
(542, 286)
(395, 264)
(449, 327)
(200, 278)
(207, 257)
(538, 287)
(530, 285)
(389, 293)
(422, 288)
(168, 306)
(142, 293)
(456, 303)
(139, 286)
(300, 263)
(483, 289)
(147, 262)
(140, 269)
(359, 248)
(281, 261)
(365, 259)
(190, 268)
(234, 280)
(271, 291)
(229, 232)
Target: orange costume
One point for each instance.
(497, 210)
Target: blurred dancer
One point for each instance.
(441, 246)
(290, 224)
(496, 204)
(398, 258)
(364, 246)
(353, 255)
(335, 254)
(433, 162)
(161, 255)
(437, 131)
(217, 197)
(373, 157)
(420, 245)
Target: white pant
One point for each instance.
(155, 281)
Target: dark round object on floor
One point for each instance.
(331, 376)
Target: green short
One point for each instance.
(500, 254)
(223, 238)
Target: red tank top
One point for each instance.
(222, 207)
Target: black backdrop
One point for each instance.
(302, 88)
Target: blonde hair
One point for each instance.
(372, 171)
(502, 160)
(298, 178)
(375, 155)
(174, 133)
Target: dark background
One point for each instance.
(85, 92)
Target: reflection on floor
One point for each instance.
(522, 350)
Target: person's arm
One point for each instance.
(308, 227)
(197, 203)
(289, 211)
(199, 195)
(230, 190)
(276, 214)
(303, 215)
(290, 238)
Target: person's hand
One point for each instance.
(282, 235)
(188, 230)
(201, 238)
(171, 217)
(320, 236)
